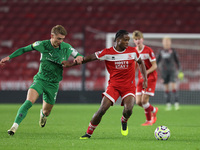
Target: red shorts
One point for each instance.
(150, 90)
(113, 93)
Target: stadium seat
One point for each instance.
(28, 21)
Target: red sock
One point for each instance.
(151, 107)
(148, 108)
(123, 119)
(91, 128)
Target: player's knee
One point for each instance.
(145, 99)
(139, 103)
(139, 100)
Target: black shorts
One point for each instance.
(168, 76)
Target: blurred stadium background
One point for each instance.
(88, 22)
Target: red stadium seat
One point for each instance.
(30, 21)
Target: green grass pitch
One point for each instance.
(67, 122)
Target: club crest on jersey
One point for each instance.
(129, 56)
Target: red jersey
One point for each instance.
(120, 65)
(147, 55)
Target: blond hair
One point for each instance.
(166, 38)
(58, 29)
(137, 34)
(166, 41)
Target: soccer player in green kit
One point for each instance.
(46, 81)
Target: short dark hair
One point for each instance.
(59, 29)
(120, 33)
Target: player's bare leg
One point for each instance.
(139, 100)
(44, 113)
(32, 96)
(96, 119)
(128, 107)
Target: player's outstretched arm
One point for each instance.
(68, 64)
(16, 53)
(143, 71)
(4, 60)
(85, 59)
(78, 60)
(89, 58)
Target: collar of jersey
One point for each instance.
(141, 50)
(119, 51)
(55, 48)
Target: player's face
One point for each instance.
(166, 43)
(56, 40)
(138, 41)
(123, 42)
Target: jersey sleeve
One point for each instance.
(21, 51)
(38, 45)
(75, 53)
(152, 56)
(101, 55)
(71, 51)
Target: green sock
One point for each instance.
(21, 114)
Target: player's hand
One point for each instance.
(2, 62)
(181, 75)
(67, 64)
(78, 60)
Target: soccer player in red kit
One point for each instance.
(120, 63)
(142, 97)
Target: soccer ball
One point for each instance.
(162, 133)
